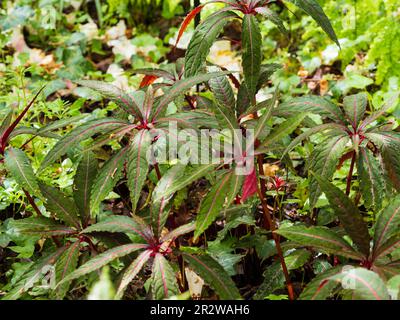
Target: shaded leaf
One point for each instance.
(214, 275)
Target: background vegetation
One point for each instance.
(57, 43)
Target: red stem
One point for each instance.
(268, 218)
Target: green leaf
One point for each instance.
(181, 86)
(33, 274)
(388, 143)
(84, 179)
(251, 56)
(314, 104)
(321, 238)
(317, 129)
(212, 204)
(77, 135)
(128, 102)
(370, 178)
(387, 225)
(65, 265)
(20, 167)
(132, 271)
(261, 123)
(138, 165)
(107, 178)
(214, 275)
(186, 228)
(123, 224)
(102, 259)
(64, 208)
(223, 92)
(159, 214)
(312, 8)
(202, 40)
(354, 107)
(267, 70)
(320, 287)
(284, 129)
(390, 103)
(323, 162)
(189, 174)
(273, 16)
(366, 284)
(348, 214)
(40, 226)
(163, 279)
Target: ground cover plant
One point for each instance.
(232, 150)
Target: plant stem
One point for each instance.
(157, 171)
(267, 216)
(350, 175)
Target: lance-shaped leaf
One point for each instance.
(163, 279)
(371, 180)
(7, 131)
(63, 207)
(354, 107)
(34, 274)
(40, 226)
(138, 165)
(65, 265)
(189, 175)
(185, 23)
(348, 214)
(181, 86)
(125, 101)
(273, 16)
(312, 8)
(79, 134)
(202, 40)
(244, 99)
(186, 228)
(387, 247)
(212, 204)
(387, 224)
(389, 145)
(317, 129)
(83, 181)
(132, 271)
(123, 224)
(366, 284)
(283, 130)
(214, 275)
(251, 56)
(313, 104)
(320, 288)
(20, 167)
(266, 72)
(159, 73)
(106, 178)
(223, 92)
(321, 238)
(61, 123)
(390, 103)
(323, 162)
(261, 123)
(158, 213)
(101, 260)
(5, 123)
